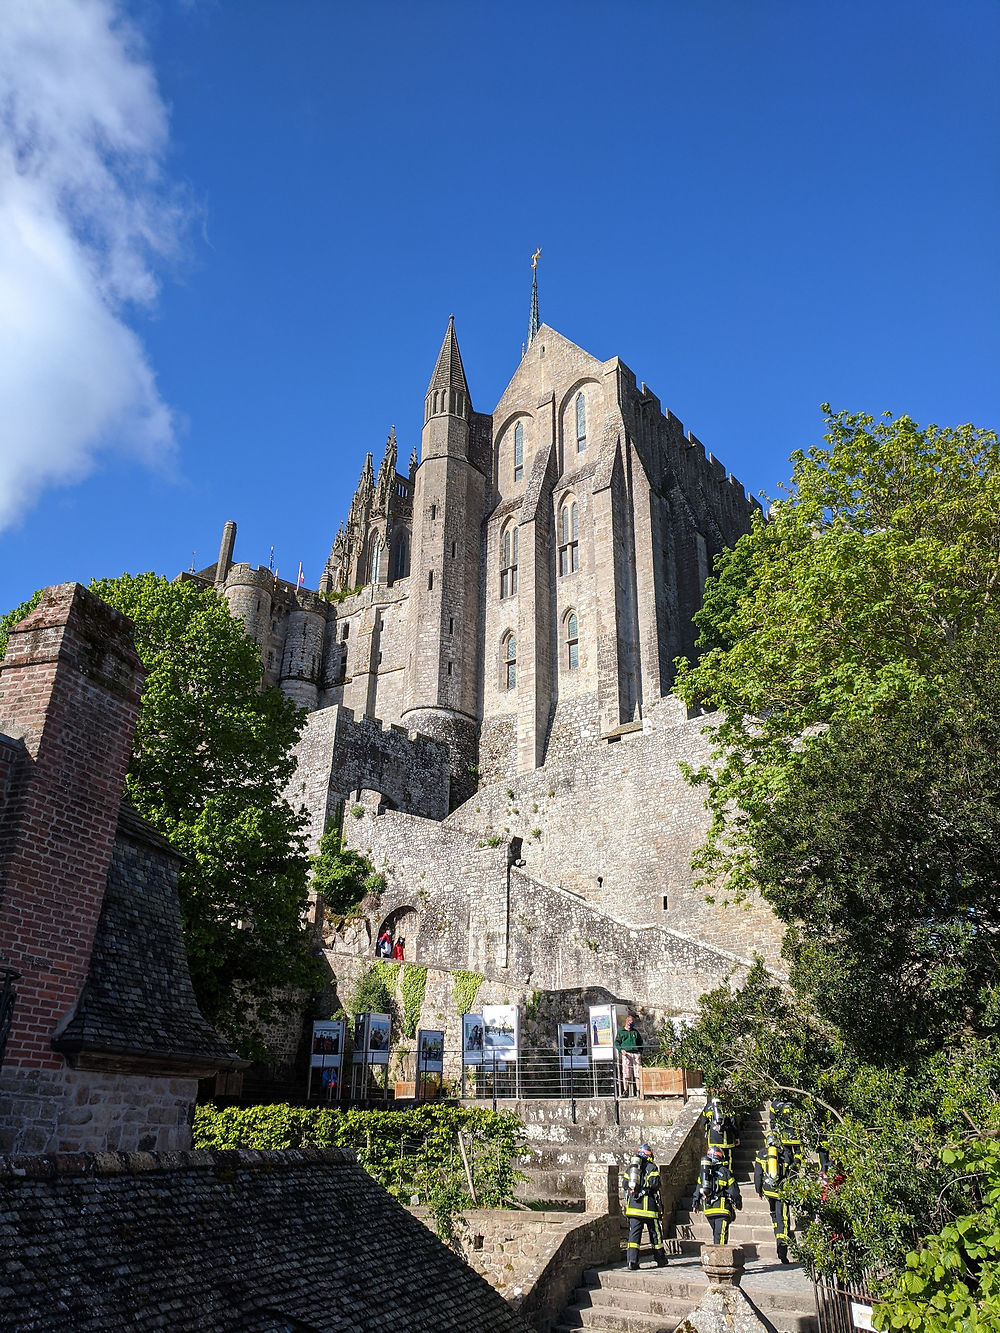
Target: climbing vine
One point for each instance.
(413, 988)
(465, 987)
(375, 991)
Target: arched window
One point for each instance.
(508, 562)
(376, 565)
(518, 451)
(572, 642)
(581, 423)
(509, 662)
(569, 549)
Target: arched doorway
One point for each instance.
(405, 922)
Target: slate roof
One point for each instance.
(253, 1242)
(138, 1004)
(449, 373)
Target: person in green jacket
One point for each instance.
(628, 1043)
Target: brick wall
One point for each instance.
(69, 689)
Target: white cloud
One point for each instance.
(85, 218)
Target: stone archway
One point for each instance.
(405, 921)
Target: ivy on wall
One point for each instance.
(413, 987)
(465, 988)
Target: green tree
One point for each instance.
(851, 648)
(344, 877)
(211, 756)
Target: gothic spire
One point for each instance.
(533, 318)
(449, 373)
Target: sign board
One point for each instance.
(472, 1039)
(861, 1315)
(327, 1056)
(500, 1032)
(605, 1020)
(430, 1052)
(371, 1039)
(328, 1043)
(574, 1052)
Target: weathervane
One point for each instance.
(533, 319)
(535, 256)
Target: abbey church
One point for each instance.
(487, 666)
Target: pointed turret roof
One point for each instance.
(449, 373)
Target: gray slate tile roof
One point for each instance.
(138, 1002)
(252, 1242)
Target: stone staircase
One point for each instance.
(656, 1300)
(560, 1149)
(751, 1227)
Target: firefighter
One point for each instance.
(783, 1123)
(717, 1194)
(721, 1130)
(643, 1207)
(770, 1170)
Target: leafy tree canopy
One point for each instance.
(853, 652)
(344, 877)
(211, 755)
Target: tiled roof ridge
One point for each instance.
(38, 1166)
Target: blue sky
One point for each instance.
(235, 232)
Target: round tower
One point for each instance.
(302, 661)
(248, 595)
(442, 694)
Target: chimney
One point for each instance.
(69, 692)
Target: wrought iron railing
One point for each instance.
(842, 1309)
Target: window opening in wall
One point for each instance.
(572, 642)
(449, 668)
(434, 510)
(518, 451)
(453, 550)
(581, 423)
(270, 659)
(451, 624)
(430, 580)
(569, 549)
(508, 563)
(376, 568)
(347, 630)
(666, 903)
(510, 662)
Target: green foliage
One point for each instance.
(853, 649)
(340, 595)
(952, 1280)
(375, 991)
(491, 840)
(358, 811)
(413, 986)
(465, 988)
(212, 752)
(886, 1124)
(344, 877)
(413, 1152)
(14, 617)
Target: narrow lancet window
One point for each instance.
(581, 423)
(518, 451)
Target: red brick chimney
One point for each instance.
(69, 691)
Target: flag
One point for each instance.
(302, 578)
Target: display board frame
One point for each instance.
(501, 1034)
(574, 1054)
(326, 1055)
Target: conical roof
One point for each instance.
(449, 373)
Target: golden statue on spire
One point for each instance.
(534, 257)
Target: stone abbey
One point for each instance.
(524, 589)
(486, 667)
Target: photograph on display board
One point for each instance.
(500, 1031)
(472, 1039)
(573, 1045)
(359, 1031)
(327, 1041)
(431, 1052)
(329, 1077)
(602, 1031)
(378, 1038)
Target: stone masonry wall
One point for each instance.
(338, 754)
(617, 824)
(475, 912)
(72, 1110)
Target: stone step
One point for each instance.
(684, 1280)
(739, 1234)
